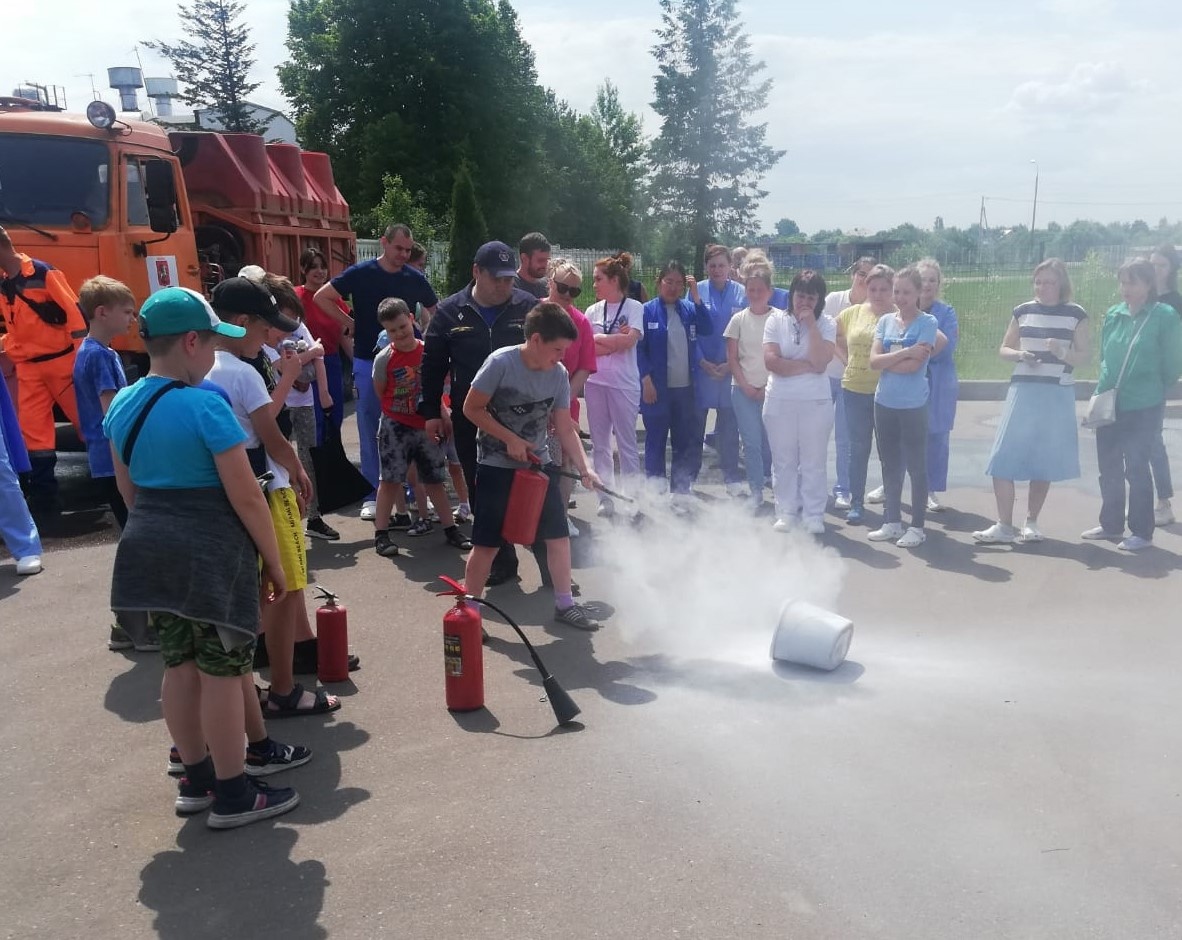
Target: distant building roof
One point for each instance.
(279, 129)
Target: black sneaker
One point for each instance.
(421, 527)
(575, 616)
(502, 576)
(120, 640)
(319, 529)
(192, 798)
(260, 802)
(383, 546)
(401, 521)
(176, 767)
(281, 757)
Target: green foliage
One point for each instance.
(398, 205)
(786, 228)
(468, 230)
(708, 160)
(418, 89)
(214, 64)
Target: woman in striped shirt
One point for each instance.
(1037, 439)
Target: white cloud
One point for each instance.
(1090, 88)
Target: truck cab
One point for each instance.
(93, 200)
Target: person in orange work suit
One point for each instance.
(43, 324)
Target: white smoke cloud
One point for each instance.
(710, 585)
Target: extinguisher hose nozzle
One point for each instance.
(564, 707)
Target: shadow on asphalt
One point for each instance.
(135, 695)
(483, 721)
(219, 884)
(1153, 563)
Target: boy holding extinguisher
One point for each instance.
(519, 392)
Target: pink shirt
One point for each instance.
(580, 354)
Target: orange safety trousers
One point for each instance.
(39, 386)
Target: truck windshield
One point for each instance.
(45, 180)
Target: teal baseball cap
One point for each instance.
(175, 310)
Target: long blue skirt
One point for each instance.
(1038, 438)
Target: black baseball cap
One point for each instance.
(497, 258)
(242, 295)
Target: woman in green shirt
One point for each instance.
(1143, 339)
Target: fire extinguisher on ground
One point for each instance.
(332, 639)
(463, 655)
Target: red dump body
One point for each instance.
(259, 203)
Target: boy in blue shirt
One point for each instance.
(109, 307)
(190, 554)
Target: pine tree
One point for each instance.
(708, 160)
(468, 230)
(214, 67)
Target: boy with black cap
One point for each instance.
(190, 553)
(251, 306)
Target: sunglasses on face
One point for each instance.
(567, 290)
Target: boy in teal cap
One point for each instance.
(190, 554)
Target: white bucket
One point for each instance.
(811, 636)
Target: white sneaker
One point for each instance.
(841, 501)
(572, 530)
(911, 538)
(1163, 514)
(934, 505)
(736, 489)
(876, 496)
(889, 532)
(369, 510)
(30, 564)
(1134, 543)
(1098, 534)
(756, 502)
(606, 509)
(996, 534)
(1030, 532)
(782, 525)
(814, 526)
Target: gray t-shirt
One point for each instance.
(522, 400)
(540, 289)
(678, 347)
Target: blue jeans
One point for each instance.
(369, 412)
(334, 372)
(859, 417)
(16, 524)
(726, 443)
(841, 437)
(683, 421)
(1123, 452)
(749, 417)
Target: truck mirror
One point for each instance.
(160, 189)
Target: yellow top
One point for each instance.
(857, 325)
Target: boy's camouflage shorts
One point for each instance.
(182, 640)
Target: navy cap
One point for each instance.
(237, 295)
(497, 258)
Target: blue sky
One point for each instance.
(888, 115)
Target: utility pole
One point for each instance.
(1034, 212)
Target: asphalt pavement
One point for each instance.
(998, 757)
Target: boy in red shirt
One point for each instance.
(402, 435)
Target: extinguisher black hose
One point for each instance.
(528, 645)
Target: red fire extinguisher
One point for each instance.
(332, 639)
(523, 510)
(463, 652)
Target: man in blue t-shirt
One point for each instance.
(366, 285)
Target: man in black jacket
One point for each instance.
(487, 314)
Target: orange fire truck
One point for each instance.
(95, 194)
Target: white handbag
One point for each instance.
(1101, 410)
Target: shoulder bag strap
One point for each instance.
(1129, 352)
(129, 444)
